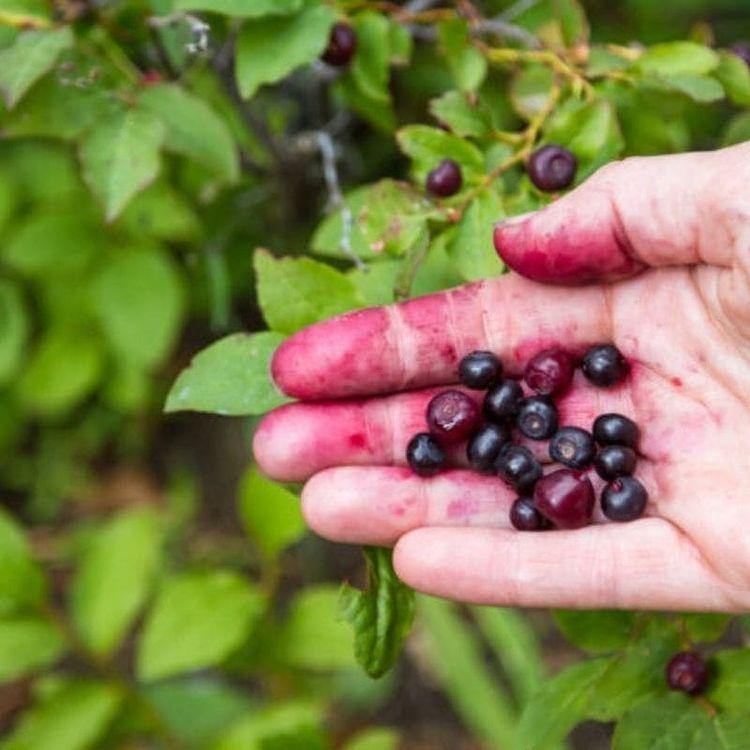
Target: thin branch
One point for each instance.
(507, 30)
(417, 6)
(515, 10)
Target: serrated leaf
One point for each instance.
(734, 75)
(193, 129)
(114, 578)
(120, 157)
(242, 8)
(597, 631)
(28, 644)
(381, 615)
(369, 68)
(138, 298)
(463, 118)
(14, 329)
(678, 58)
(270, 513)
(269, 49)
(729, 686)
(428, 146)
(295, 292)
(21, 581)
(472, 249)
(196, 621)
(467, 64)
(230, 377)
(31, 55)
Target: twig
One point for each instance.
(515, 10)
(508, 31)
(417, 6)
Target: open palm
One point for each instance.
(665, 246)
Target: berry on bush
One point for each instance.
(604, 365)
(549, 372)
(566, 498)
(552, 167)
(616, 429)
(342, 44)
(503, 402)
(687, 672)
(537, 418)
(624, 499)
(484, 447)
(518, 465)
(445, 180)
(572, 447)
(614, 461)
(452, 416)
(479, 370)
(525, 517)
(425, 455)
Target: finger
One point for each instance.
(645, 211)
(646, 564)
(377, 505)
(420, 342)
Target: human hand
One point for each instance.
(664, 244)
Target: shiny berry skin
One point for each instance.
(342, 44)
(484, 447)
(624, 499)
(742, 50)
(452, 416)
(549, 372)
(552, 167)
(616, 429)
(537, 418)
(604, 365)
(503, 402)
(572, 447)
(687, 672)
(566, 498)
(479, 370)
(525, 517)
(518, 465)
(425, 455)
(445, 180)
(614, 461)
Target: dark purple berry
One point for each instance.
(614, 461)
(742, 50)
(425, 455)
(525, 517)
(503, 402)
(604, 365)
(445, 180)
(624, 499)
(687, 672)
(537, 418)
(452, 416)
(572, 447)
(616, 429)
(566, 498)
(479, 370)
(342, 44)
(549, 372)
(518, 465)
(552, 167)
(484, 447)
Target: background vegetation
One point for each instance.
(155, 590)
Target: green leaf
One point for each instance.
(230, 377)
(115, 577)
(63, 369)
(14, 329)
(699, 88)
(597, 631)
(313, 636)
(22, 12)
(678, 58)
(370, 66)
(295, 292)
(242, 8)
(193, 129)
(269, 49)
(196, 621)
(378, 112)
(460, 668)
(270, 514)
(675, 721)
(472, 249)
(705, 626)
(400, 43)
(31, 55)
(139, 299)
(28, 644)
(21, 582)
(729, 687)
(467, 64)
(530, 90)
(377, 738)
(381, 615)
(120, 157)
(734, 75)
(465, 119)
(72, 718)
(428, 146)
(737, 130)
(573, 23)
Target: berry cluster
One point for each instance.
(563, 498)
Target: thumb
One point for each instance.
(643, 211)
